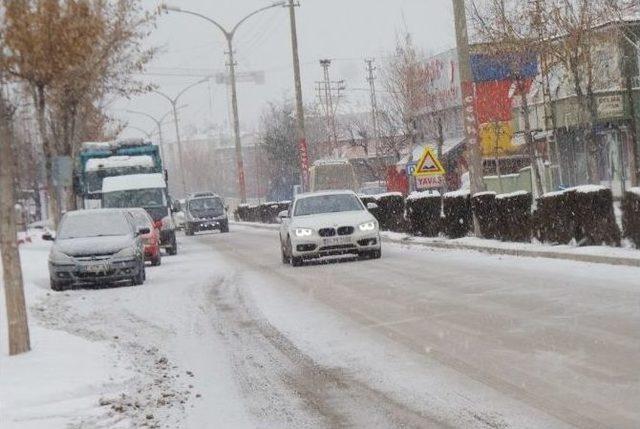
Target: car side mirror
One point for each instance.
(372, 206)
(143, 231)
(47, 236)
(284, 214)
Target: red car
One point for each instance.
(152, 240)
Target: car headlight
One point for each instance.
(56, 257)
(126, 253)
(366, 227)
(303, 232)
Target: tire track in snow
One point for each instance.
(286, 388)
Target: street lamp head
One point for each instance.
(169, 8)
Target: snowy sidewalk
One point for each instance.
(595, 254)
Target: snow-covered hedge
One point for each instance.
(390, 212)
(594, 219)
(484, 207)
(584, 214)
(514, 216)
(423, 213)
(631, 216)
(457, 214)
(553, 219)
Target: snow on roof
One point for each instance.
(456, 194)
(424, 194)
(133, 181)
(330, 161)
(324, 193)
(635, 191)
(511, 195)
(95, 164)
(89, 146)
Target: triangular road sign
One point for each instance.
(428, 165)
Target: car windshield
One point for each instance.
(327, 204)
(93, 225)
(142, 219)
(135, 198)
(206, 204)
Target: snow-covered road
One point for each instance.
(224, 335)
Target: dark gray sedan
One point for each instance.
(96, 247)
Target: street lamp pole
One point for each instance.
(158, 123)
(174, 107)
(228, 34)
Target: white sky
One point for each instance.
(344, 30)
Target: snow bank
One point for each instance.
(424, 194)
(457, 194)
(95, 164)
(59, 380)
(511, 195)
(635, 191)
(387, 194)
(480, 194)
(586, 189)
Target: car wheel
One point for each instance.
(157, 260)
(57, 286)
(173, 250)
(138, 280)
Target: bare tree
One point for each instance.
(19, 341)
(405, 80)
(576, 26)
(71, 53)
(505, 27)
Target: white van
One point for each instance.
(147, 191)
(333, 174)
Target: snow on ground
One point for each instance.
(224, 336)
(120, 357)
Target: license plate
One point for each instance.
(336, 241)
(96, 268)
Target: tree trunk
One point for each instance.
(634, 161)
(592, 143)
(49, 153)
(537, 180)
(12, 271)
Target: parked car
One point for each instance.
(148, 191)
(96, 247)
(328, 223)
(151, 240)
(205, 212)
(178, 216)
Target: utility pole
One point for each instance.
(474, 152)
(302, 137)
(371, 78)
(229, 34)
(326, 89)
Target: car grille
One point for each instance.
(337, 248)
(345, 230)
(327, 232)
(94, 257)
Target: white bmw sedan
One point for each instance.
(328, 223)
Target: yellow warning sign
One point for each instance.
(428, 165)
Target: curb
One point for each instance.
(549, 254)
